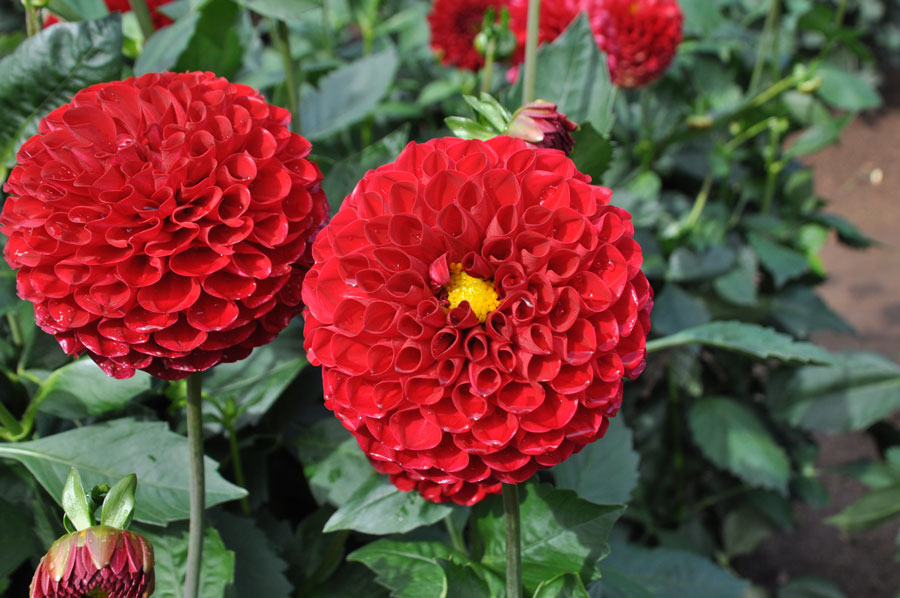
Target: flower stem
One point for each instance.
(32, 20)
(142, 13)
(700, 202)
(531, 44)
(11, 426)
(488, 73)
(15, 328)
(513, 541)
(237, 466)
(198, 485)
(290, 73)
(456, 538)
(766, 41)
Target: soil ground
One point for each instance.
(860, 179)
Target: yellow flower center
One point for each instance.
(479, 293)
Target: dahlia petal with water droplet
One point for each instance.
(475, 306)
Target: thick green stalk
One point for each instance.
(10, 425)
(291, 71)
(513, 541)
(456, 538)
(142, 13)
(699, 203)
(32, 19)
(15, 328)
(198, 485)
(531, 44)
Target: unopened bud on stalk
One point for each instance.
(541, 125)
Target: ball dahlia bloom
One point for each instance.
(475, 306)
(160, 20)
(98, 561)
(454, 26)
(640, 37)
(163, 223)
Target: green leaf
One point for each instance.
(847, 232)
(870, 511)
(347, 95)
(604, 472)
(81, 389)
(851, 394)
(289, 11)
(255, 383)
(112, 450)
(466, 580)
(490, 110)
(466, 128)
(809, 587)
(753, 340)
(258, 570)
(819, 137)
(593, 151)
(743, 529)
(732, 436)
(162, 50)
(674, 309)
(170, 546)
(378, 507)
(572, 73)
(738, 286)
(561, 533)
(664, 573)
(332, 462)
(567, 585)
(78, 10)
(846, 90)
(46, 70)
(784, 264)
(75, 503)
(118, 506)
(408, 569)
(216, 44)
(800, 310)
(687, 265)
(17, 542)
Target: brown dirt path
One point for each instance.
(860, 178)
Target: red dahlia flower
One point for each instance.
(98, 561)
(454, 25)
(640, 37)
(475, 306)
(160, 20)
(162, 223)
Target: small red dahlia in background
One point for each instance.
(454, 25)
(163, 223)
(475, 306)
(160, 20)
(640, 37)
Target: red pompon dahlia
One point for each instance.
(163, 223)
(556, 15)
(160, 20)
(454, 26)
(640, 37)
(475, 306)
(98, 561)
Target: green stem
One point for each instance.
(513, 541)
(766, 41)
(717, 498)
(456, 538)
(488, 73)
(198, 485)
(531, 44)
(291, 72)
(700, 202)
(237, 465)
(15, 328)
(773, 168)
(11, 425)
(678, 452)
(142, 13)
(32, 19)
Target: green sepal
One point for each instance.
(466, 128)
(75, 502)
(488, 109)
(118, 506)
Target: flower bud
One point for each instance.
(98, 561)
(541, 125)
